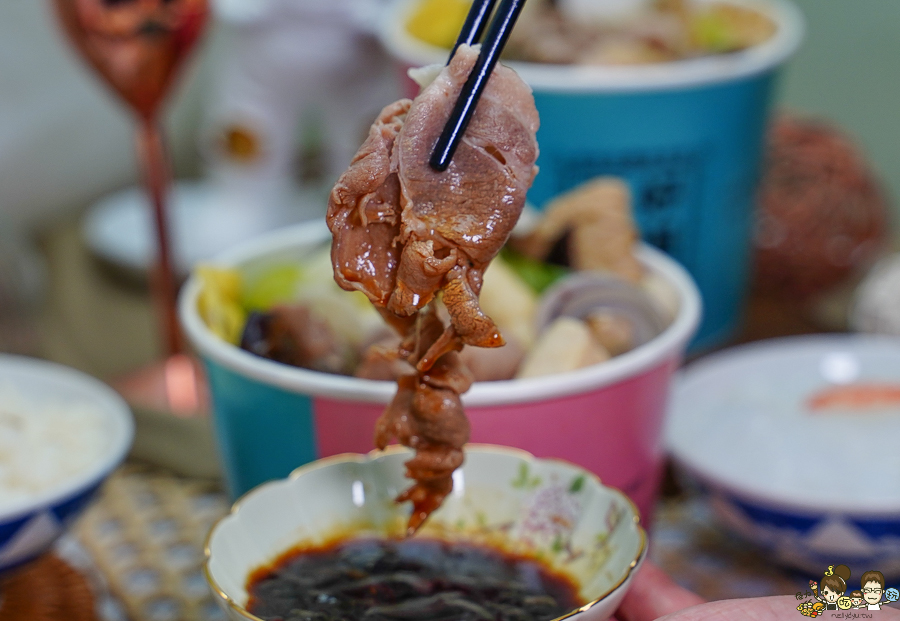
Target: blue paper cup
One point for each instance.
(686, 135)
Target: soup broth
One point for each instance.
(410, 579)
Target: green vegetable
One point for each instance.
(714, 34)
(275, 285)
(537, 274)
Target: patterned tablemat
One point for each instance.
(146, 533)
(687, 544)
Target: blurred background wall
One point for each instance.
(847, 71)
(64, 141)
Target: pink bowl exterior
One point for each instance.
(571, 428)
(608, 418)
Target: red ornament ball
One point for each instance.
(822, 215)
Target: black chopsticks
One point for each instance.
(496, 38)
(474, 25)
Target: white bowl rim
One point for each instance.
(679, 74)
(670, 342)
(739, 489)
(375, 454)
(108, 400)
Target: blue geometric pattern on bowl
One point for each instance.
(25, 537)
(878, 528)
(812, 541)
(762, 515)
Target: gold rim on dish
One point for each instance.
(390, 450)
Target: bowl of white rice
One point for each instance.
(795, 441)
(61, 434)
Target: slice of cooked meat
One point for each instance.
(454, 222)
(404, 233)
(364, 212)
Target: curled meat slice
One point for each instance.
(403, 234)
(364, 212)
(402, 231)
(454, 222)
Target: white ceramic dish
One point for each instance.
(28, 527)
(548, 507)
(809, 485)
(205, 219)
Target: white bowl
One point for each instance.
(30, 525)
(540, 506)
(812, 487)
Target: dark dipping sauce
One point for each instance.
(409, 579)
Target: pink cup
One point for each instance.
(608, 418)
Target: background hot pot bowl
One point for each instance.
(812, 486)
(30, 524)
(270, 417)
(686, 135)
(501, 496)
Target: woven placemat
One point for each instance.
(48, 589)
(145, 534)
(690, 546)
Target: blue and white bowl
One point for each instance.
(29, 524)
(544, 508)
(812, 487)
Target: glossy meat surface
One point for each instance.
(403, 233)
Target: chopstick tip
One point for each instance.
(439, 161)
